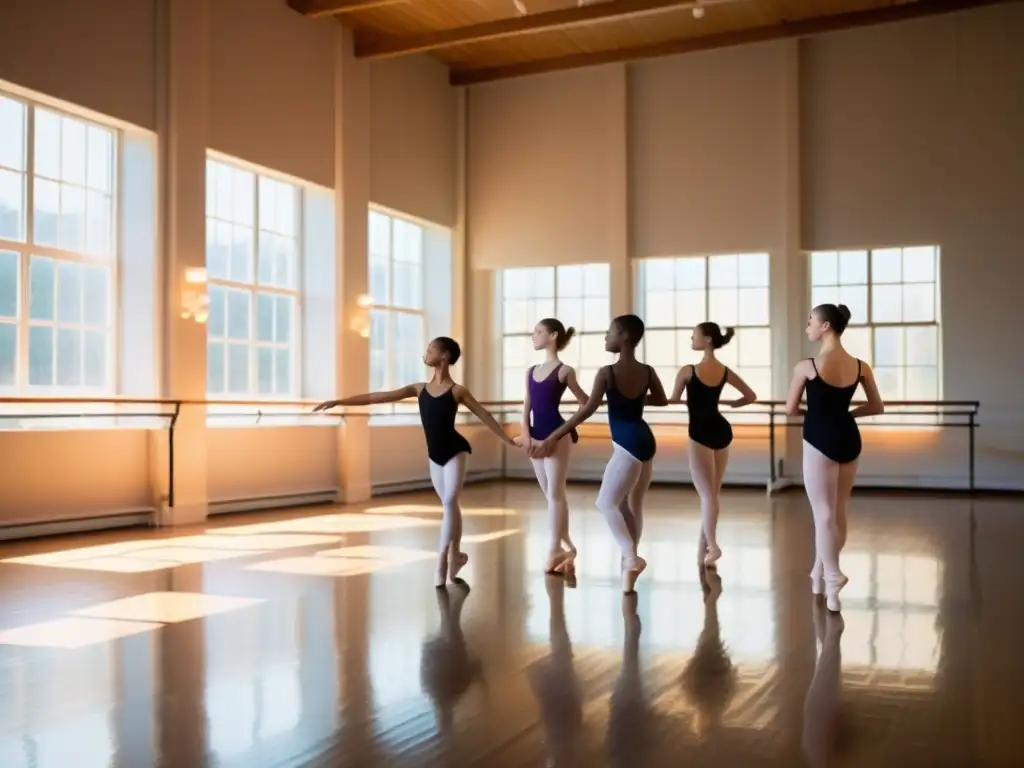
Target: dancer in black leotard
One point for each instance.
(710, 433)
(831, 438)
(439, 401)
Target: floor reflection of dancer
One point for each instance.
(821, 707)
(556, 686)
(447, 669)
(710, 432)
(709, 677)
(545, 385)
(630, 721)
(831, 438)
(439, 401)
(628, 474)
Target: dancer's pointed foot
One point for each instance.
(441, 574)
(561, 561)
(832, 593)
(712, 556)
(632, 567)
(456, 562)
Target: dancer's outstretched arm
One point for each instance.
(874, 405)
(463, 396)
(747, 395)
(372, 398)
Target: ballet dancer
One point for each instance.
(628, 474)
(710, 432)
(545, 385)
(831, 439)
(448, 451)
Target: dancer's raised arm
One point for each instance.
(372, 398)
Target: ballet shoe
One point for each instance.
(561, 560)
(441, 575)
(456, 563)
(832, 594)
(712, 556)
(632, 567)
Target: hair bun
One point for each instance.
(729, 333)
(844, 311)
(570, 332)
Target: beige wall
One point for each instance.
(896, 135)
(255, 81)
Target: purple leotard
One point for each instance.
(545, 397)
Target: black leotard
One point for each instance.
(437, 414)
(828, 425)
(707, 426)
(626, 419)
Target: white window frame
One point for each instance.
(866, 322)
(748, 417)
(554, 301)
(26, 249)
(255, 288)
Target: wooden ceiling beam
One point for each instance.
(374, 47)
(317, 8)
(785, 30)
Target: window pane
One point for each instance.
(69, 357)
(691, 308)
(283, 319)
(853, 268)
(379, 280)
(218, 311)
(824, 268)
(238, 368)
(728, 355)
(723, 271)
(922, 383)
(100, 148)
(585, 378)
(754, 347)
(215, 368)
(596, 280)
(517, 317)
(753, 270)
(888, 347)
(221, 190)
(570, 281)
(592, 352)
(277, 207)
(95, 358)
(243, 197)
(8, 282)
(408, 245)
(722, 306)
(265, 321)
(282, 371)
(238, 315)
(46, 210)
(518, 352)
(380, 235)
(40, 356)
(824, 294)
(378, 370)
(8, 354)
(753, 306)
(97, 223)
(658, 275)
(12, 128)
(691, 273)
(890, 382)
(886, 303)
(858, 343)
(12, 204)
(408, 288)
(513, 384)
(660, 348)
(284, 263)
(47, 144)
(409, 337)
(97, 284)
(72, 218)
(855, 297)
(684, 347)
(659, 309)
(378, 329)
(758, 379)
(218, 249)
(886, 265)
(596, 314)
(923, 345)
(919, 265)
(570, 312)
(240, 269)
(72, 151)
(919, 303)
(69, 292)
(265, 371)
(41, 287)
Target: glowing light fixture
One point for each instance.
(195, 301)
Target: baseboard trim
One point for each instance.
(42, 529)
(276, 501)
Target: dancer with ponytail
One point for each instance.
(448, 451)
(545, 385)
(831, 439)
(628, 474)
(710, 433)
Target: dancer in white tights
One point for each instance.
(628, 474)
(439, 401)
(831, 439)
(545, 385)
(710, 433)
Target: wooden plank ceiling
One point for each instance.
(483, 40)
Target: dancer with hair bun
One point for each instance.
(710, 433)
(545, 385)
(832, 442)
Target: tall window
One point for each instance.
(674, 295)
(252, 263)
(893, 296)
(578, 295)
(58, 251)
(398, 319)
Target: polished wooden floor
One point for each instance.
(317, 638)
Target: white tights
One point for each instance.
(447, 481)
(829, 485)
(621, 498)
(707, 468)
(551, 474)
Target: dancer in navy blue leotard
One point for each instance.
(831, 438)
(448, 451)
(710, 433)
(628, 474)
(545, 385)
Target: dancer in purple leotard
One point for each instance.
(545, 385)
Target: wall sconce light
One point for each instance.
(365, 301)
(360, 322)
(195, 302)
